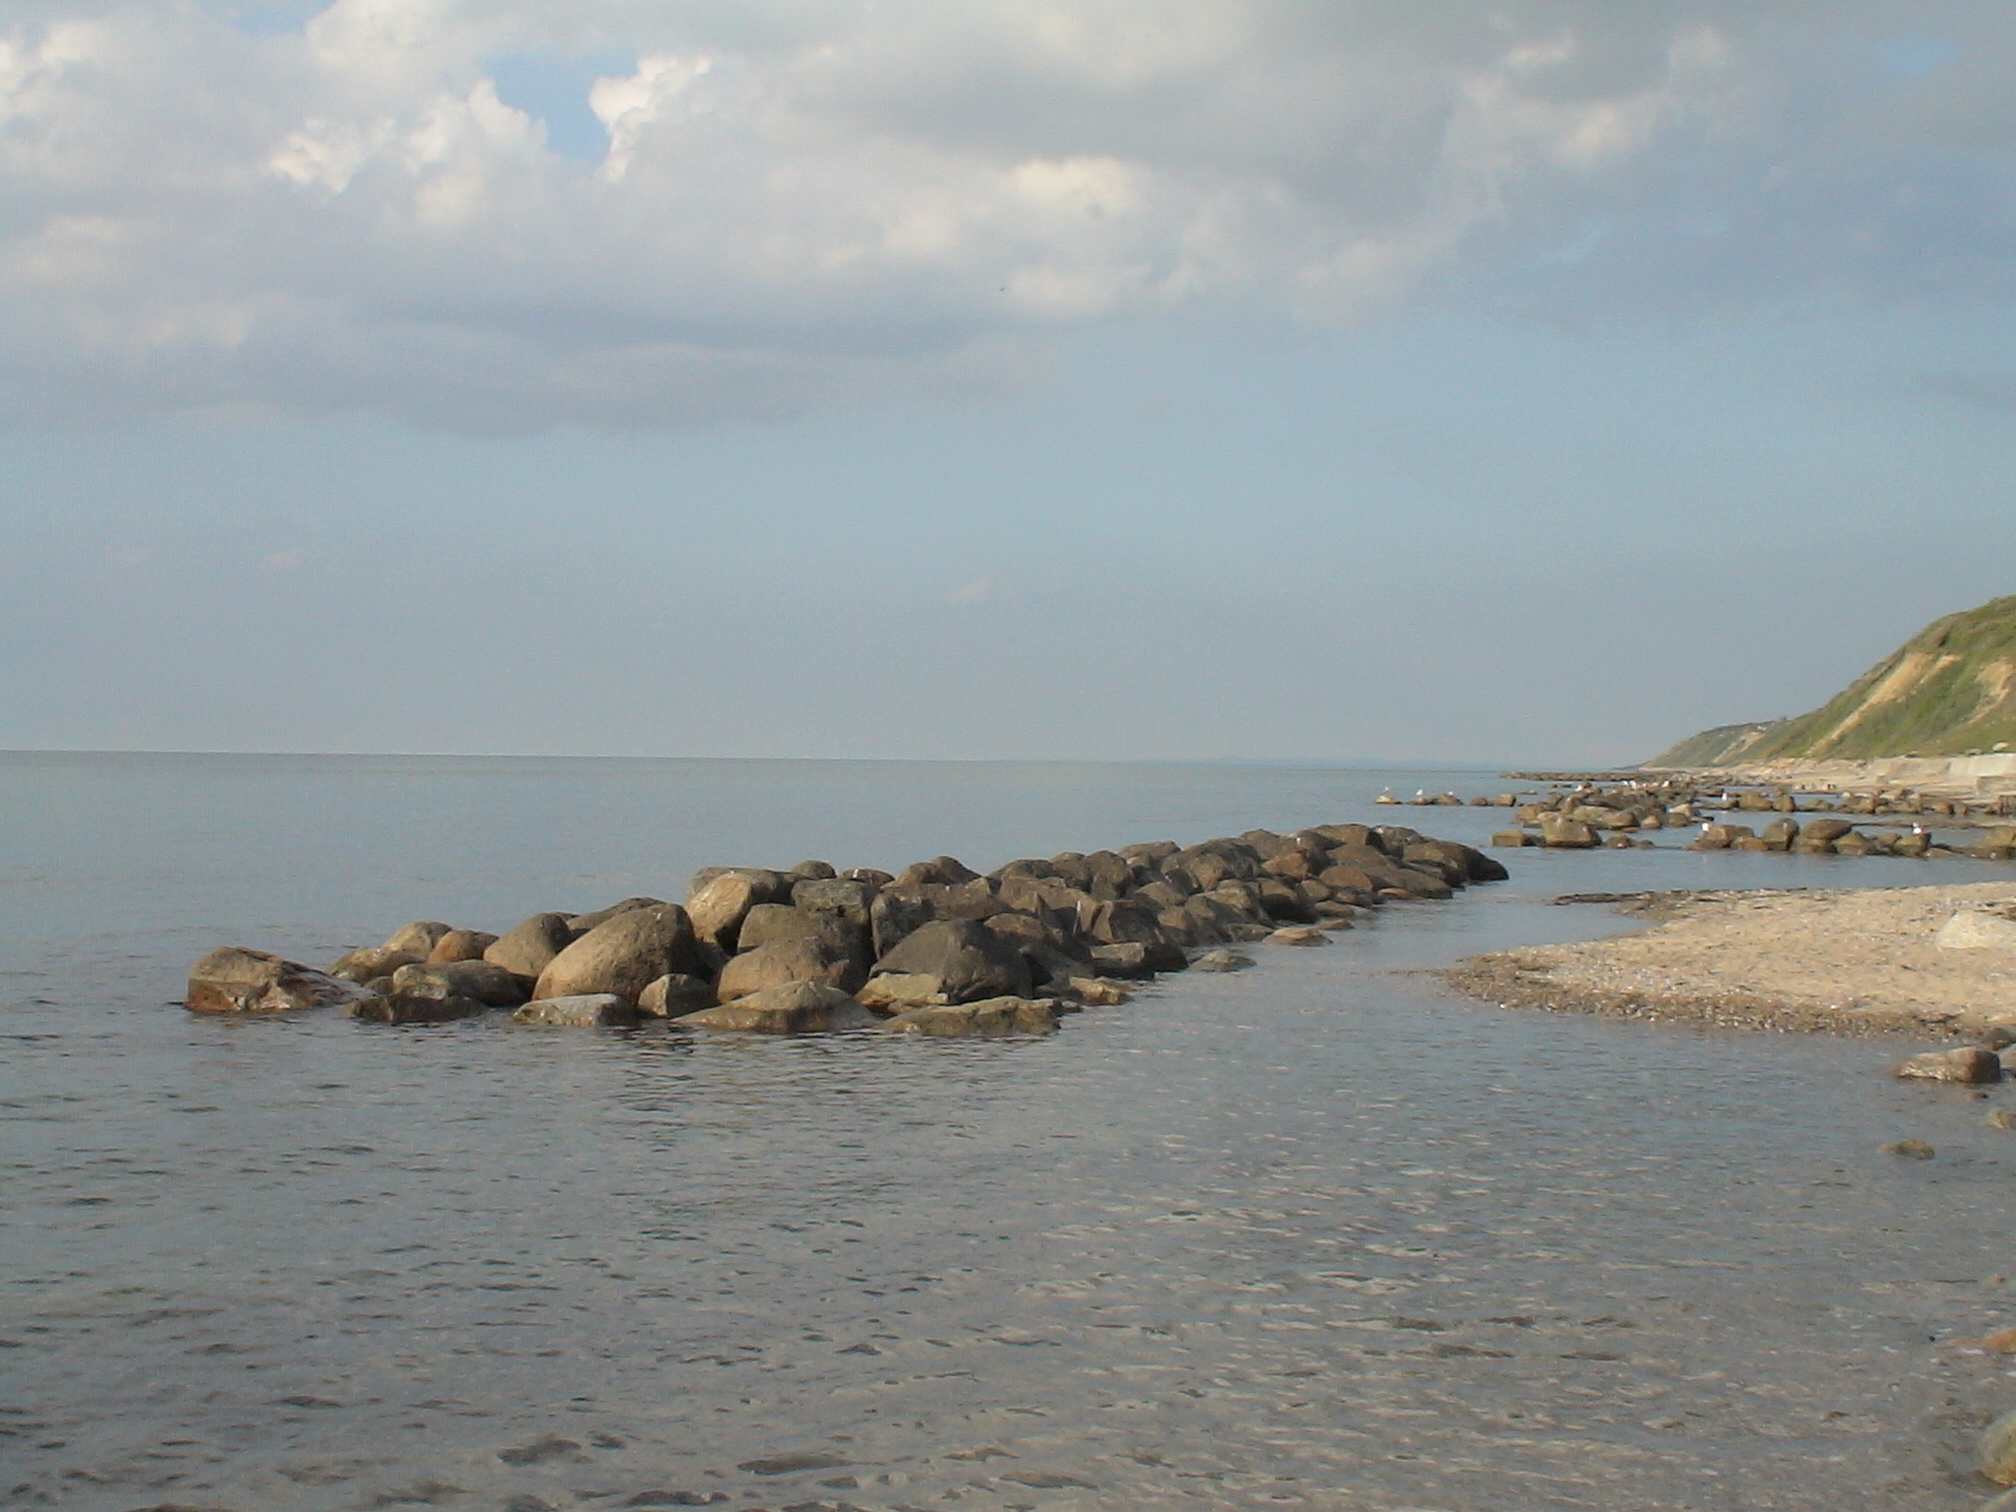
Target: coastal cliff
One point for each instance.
(1949, 691)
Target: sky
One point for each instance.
(1526, 382)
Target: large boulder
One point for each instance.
(942, 871)
(800, 958)
(234, 980)
(419, 937)
(848, 898)
(1467, 863)
(1977, 929)
(484, 981)
(624, 955)
(461, 945)
(582, 923)
(673, 995)
(1558, 832)
(794, 1008)
(988, 1018)
(529, 948)
(969, 961)
(773, 923)
(718, 905)
(894, 914)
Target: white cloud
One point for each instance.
(807, 203)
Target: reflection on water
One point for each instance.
(1313, 1235)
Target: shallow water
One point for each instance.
(1312, 1235)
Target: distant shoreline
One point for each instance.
(1852, 961)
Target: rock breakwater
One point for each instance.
(938, 949)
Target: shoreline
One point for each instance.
(1854, 961)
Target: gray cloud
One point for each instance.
(811, 204)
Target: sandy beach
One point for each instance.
(1860, 961)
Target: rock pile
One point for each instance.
(1587, 816)
(937, 950)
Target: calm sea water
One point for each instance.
(1316, 1235)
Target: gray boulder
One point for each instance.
(848, 898)
(624, 955)
(482, 980)
(802, 958)
(969, 961)
(895, 913)
(794, 1008)
(943, 871)
(234, 980)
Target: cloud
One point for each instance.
(979, 591)
(805, 204)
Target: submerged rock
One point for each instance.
(1298, 936)
(988, 1018)
(487, 983)
(1970, 1064)
(1222, 960)
(235, 980)
(372, 962)
(403, 1008)
(588, 1008)
(1996, 1450)
(796, 1008)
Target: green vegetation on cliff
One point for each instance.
(1725, 745)
(1948, 691)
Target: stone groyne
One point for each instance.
(937, 949)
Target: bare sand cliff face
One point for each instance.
(1854, 961)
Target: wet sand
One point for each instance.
(1860, 961)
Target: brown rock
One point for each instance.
(1970, 1064)
(481, 980)
(233, 980)
(624, 955)
(784, 961)
(989, 1018)
(397, 1008)
(461, 945)
(529, 949)
(417, 938)
(372, 962)
(673, 994)
(794, 1008)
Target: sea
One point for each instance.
(1315, 1235)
